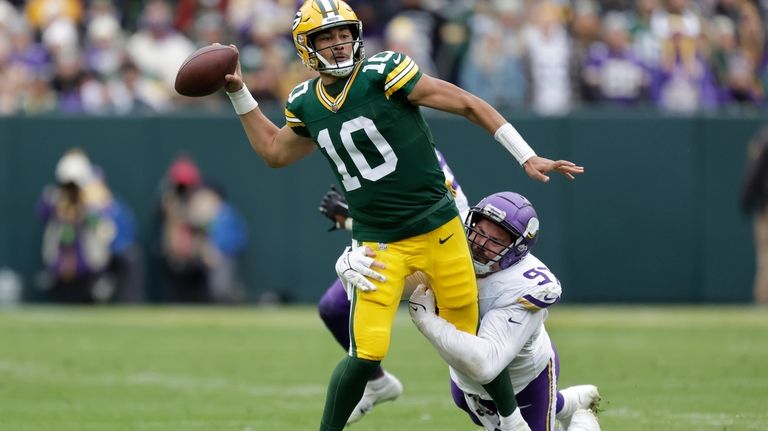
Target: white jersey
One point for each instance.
(513, 307)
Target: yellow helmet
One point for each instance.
(318, 15)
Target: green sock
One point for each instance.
(500, 389)
(345, 390)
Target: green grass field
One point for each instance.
(254, 369)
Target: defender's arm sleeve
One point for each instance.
(462, 203)
(502, 334)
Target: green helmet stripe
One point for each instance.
(326, 7)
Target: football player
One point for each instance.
(364, 115)
(515, 292)
(334, 306)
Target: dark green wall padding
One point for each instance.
(655, 218)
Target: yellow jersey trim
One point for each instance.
(528, 305)
(291, 120)
(400, 76)
(331, 103)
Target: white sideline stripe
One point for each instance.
(34, 372)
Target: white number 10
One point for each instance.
(371, 174)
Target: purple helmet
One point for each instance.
(513, 213)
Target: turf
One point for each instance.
(256, 369)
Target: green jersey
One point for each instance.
(379, 147)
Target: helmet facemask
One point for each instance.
(486, 251)
(333, 67)
(514, 215)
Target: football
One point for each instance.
(202, 73)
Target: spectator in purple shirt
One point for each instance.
(613, 73)
(684, 82)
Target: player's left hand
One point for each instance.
(354, 269)
(537, 166)
(421, 303)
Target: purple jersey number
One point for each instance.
(539, 271)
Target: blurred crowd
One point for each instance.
(551, 56)
(90, 248)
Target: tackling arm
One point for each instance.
(481, 357)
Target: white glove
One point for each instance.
(422, 303)
(353, 266)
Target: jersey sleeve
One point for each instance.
(293, 109)
(539, 297)
(455, 188)
(396, 72)
(296, 124)
(528, 283)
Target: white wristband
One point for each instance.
(507, 136)
(243, 101)
(348, 224)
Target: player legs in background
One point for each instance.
(334, 310)
(382, 386)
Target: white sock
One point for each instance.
(514, 422)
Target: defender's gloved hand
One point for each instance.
(334, 206)
(422, 303)
(354, 269)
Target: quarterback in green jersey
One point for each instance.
(363, 114)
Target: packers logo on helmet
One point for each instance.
(315, 16)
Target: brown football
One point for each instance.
(202, 73)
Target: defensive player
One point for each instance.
(364, 115)
(515, 290)
(334, 306)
